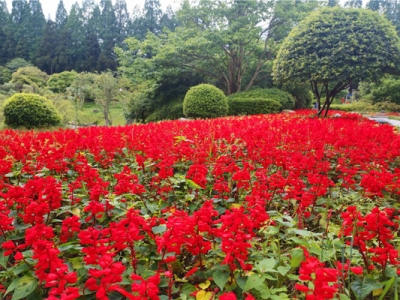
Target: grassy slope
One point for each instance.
(116, 112)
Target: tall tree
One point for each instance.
(4, 14)
(169, 20)
(36, 24)
(353, 3)
(108, 36)
(19, 29)
(106, 92)
(122, 20)
(46, 55)
(332, 3)
(148, 20)
(152, 14)
(75, 38)
(61, 15)
(4, 19)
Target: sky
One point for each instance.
(50, 6)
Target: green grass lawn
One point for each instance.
(116, 111)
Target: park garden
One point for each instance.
(225, 184)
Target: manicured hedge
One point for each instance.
(252, 106)
(285, 99)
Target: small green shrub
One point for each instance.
(205, 101)
(387, 106)
(170, 111)
(285, 99)
(30, 111)
(58, 83)
(252, 106)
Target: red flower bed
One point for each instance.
(261, 207)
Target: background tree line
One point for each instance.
(81, 40)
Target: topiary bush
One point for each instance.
(252, 106)
(205, 101)
(285, 99)
(30, 111)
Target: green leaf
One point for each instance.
(362, 289)
(388, 284)
(159, 229)
(188, 288)
(283, 270)
(302, 232)
(265, 264)
(193, 185)
(221, 277)
(299, 241)
(3, 259)
(344, 297)
(21, 268)
(23, 287)
(297, 257)
(253, 282)
(271, 230)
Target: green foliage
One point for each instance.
(285, 100)
(387, 90)
(30, 76)
(301, 92)
(229, 43)
(30, 111)
(252, 106)
(64, 106)
(333, 47)
(5, 75)
(355, 106)
(171, 111)
(17, 63)
(387, 106)
(205, 101)
(58, 83)
(106, 91)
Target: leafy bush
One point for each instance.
(170, 111)
(31, 76)
(30, 111)
(205, 101)
(301, 93)
(16, 63)
(285, 99)
(58, 83)
(387, 106)
(252, 106)
(387, 90)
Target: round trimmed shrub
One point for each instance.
(252, 106)
(205, 101)
(30, 111)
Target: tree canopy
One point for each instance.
(333, 47)
(227, 42)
